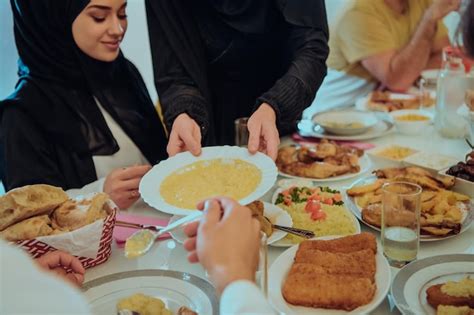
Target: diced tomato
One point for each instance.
(287, 201)
(312, 206)
(318, 215)
(337, 197)
(285, 193)
(315, 196)
(328, 201)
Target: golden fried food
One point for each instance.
(435, 296)
(360, 263)
(323, 160)
(361, 190)
(348, 244)
(329, 291)
(454, 310)
(28, 201)
(333, 274)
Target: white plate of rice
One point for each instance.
(339, 221)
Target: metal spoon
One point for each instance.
(140, 242)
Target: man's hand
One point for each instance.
(226, 242)
(58, 262)
(185, 136)
(263, 133)
(440, 8)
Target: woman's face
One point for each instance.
(100, 28)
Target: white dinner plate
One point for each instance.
(281, 266)
(410, 284)
(174, 288)
(357, 211)
(342, 122)
(275, 214)
(364, 162)
(286, 243)
(150, 183)
(306, 128)
(362, 103)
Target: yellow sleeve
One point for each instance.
(363, 35)
(441, 32)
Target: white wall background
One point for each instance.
(135, 46)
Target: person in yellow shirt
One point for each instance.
(385, 43)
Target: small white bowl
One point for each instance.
(345, 122)
(413, 127)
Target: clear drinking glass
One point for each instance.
(241, 132)
(400, 222)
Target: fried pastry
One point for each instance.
(348, 244)
(29, 201)
(360, 263)
(313, 287)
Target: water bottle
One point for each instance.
(451, 87)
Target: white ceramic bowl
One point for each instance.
(345, 122)
(414, 127)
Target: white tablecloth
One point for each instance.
(170, 255)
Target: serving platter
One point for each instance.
(151, 182)
(281, 266)
(306, 128)
(357, 211)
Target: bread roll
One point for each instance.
(28, 229)
(74, 214)
(29, 201)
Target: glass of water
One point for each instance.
(401, 203)
(241, 132)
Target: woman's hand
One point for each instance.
(122, 185)
(263, 133)
(58, 262)
(225, 241)
(185, 136)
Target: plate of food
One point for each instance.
(345, 122)
(172, 292)
(436, 285)
(318, 209)
(444, 213)
(379, 101)
(265, 212)
(331, 275)
(177, 184)
(323, 162)
(384, 125)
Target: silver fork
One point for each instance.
(139, 226)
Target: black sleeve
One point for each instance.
(29, 157)
(296, 90)
(177, 91)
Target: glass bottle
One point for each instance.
(451, 87)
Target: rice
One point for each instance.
(338, 221)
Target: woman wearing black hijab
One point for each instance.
(80, 117)
(218, 60)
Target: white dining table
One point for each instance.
(170, 255)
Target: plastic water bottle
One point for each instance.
(452, 84)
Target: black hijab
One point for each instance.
(68, 80)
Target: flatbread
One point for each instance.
(29, 201)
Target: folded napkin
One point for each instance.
(353, 144)
(122, 233)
